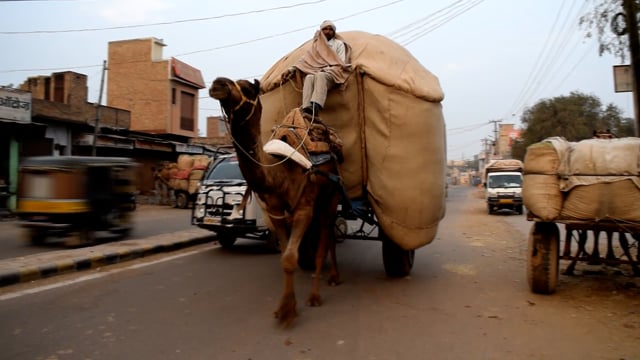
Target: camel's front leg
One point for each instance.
(286, 311)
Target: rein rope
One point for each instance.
(254, 104)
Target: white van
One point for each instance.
(503, 185)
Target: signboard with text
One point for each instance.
(15, 105)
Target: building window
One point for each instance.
(173, 96)
(58, 88)
(187, 109)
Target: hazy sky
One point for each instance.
(494, 58)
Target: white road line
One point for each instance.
(38, 289)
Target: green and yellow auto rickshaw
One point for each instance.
(75, 196)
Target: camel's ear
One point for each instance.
(256, 86)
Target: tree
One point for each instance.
(574, 117)
(604, 21)
(616, 24)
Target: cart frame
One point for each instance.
(543, 251)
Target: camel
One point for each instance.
(294, 198)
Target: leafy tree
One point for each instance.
(601, 21)
(574, 117)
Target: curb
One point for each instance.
(14, 271)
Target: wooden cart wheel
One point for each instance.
(542, 259)
(397, 261)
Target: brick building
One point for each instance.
(162, 94)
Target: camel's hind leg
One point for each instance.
(326, 243)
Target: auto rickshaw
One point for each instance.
(75, 196)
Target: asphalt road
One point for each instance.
(466, 298)
(149, 220)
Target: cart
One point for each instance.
(397, 261)
(543, 251)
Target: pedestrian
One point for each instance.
(161, 183)
(326, 64)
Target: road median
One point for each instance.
(51, 263)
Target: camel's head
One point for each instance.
(233, 95)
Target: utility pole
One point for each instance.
(631, 11)
(486, 149)
(96, 125)
(496, 137)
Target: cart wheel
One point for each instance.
(542, 267)
(182, 200)
(397, 261)
(340, 229)
(489, 209)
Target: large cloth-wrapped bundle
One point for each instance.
(541, 185)
(600, 178)
(596, 179)
(603, 201)
(389, 116)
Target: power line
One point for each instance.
(160, 23)
(222, 46)
(450, 12)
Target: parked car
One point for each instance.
(219, 205)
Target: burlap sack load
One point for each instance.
(590, 180)
(190, 169)
(541, 193)
(185, 162)
(389, 117)
(200, 162)
(600, 178)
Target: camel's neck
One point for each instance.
(248, 144)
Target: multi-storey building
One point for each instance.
(162, 94)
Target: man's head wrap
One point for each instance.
(328, 23)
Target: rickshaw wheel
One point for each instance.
(542, 267)
(35, 236)
(81, 237)
(397, 261)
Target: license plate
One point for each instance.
(211, 220)
(505, 201)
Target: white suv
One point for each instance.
(218, 202)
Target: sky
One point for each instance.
(493, 58)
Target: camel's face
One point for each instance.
(226, 89)
(233, 95)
